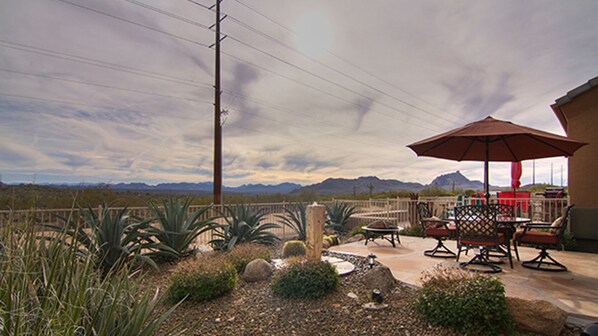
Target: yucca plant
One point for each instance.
(295, 219)
(338, 216)
(112, 239)
(243, 225)
(177, 228)
(48, 288)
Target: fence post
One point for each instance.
(314, 230)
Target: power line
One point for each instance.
(135, 23)
(253, 9)
(98, 85)
(98, 63)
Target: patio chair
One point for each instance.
(437, 229)
(477, 228)
(506, 210)
(544, 236)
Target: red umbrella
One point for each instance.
(495, 140)
(516, 171)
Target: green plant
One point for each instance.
(243, 225)
(470, 302)
(413, 230)
(569, 242)
(356, 230)
(331, 239)
(293, 248)
(177, 228)
(338, 216)
(305, 279)
(112, 239)
(202, 279)
(243, 254)
(295, 219)
(48, 288)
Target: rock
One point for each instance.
(380, 278)
(257, 270)
(325, 244)
(355, 238)
(537, 316)
(352, 296)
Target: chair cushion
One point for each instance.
(536, 237)
(557, 222)
(437, 232)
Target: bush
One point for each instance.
(293, 248)
(48, 288)
(470, 302)
(305, 279)
(414, 230)
(202, 279)
(338, 216)
(356, 230)
(331, 239)
(244, 224)
(243, 254)
(295, 219)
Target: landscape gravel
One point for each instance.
(252, 309)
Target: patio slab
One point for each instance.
(575, 291)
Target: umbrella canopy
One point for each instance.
(516, 170)
(495, 140)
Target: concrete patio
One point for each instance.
(575, 291)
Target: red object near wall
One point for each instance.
(521, 199)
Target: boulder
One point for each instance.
(380, 277)
(537, 316)
(355, 238)
(257, 270)
(325, 244)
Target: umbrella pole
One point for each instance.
(486, 179)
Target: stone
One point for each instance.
(537, 316)
(325, 244)
(257, 270)
(352, 296)
(380, 277)
(355, 238)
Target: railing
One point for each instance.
(399, 211)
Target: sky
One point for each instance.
(122, 90)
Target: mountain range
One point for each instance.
(330, 186)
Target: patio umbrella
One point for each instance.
(495, 140)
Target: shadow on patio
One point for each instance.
(575, 291)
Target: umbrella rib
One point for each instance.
(504, 140)
(467, 149)
(551, 145)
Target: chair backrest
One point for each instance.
(560, 232)
(504, 210)
(423, 210)
(476, 223)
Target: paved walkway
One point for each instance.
(575, 291)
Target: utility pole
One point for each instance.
(551, 173)
(561, 176)
(534, 172)
(217, 185)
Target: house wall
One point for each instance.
(579, 118)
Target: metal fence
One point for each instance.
(398, 211)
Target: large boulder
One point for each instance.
(257, 270)
(355, 238)
(537, 316)
(380, 277)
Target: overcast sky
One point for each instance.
(121, 90)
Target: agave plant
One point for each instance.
(243, 225)
(112, 239)
(338, 216)
(177, 228)
(295, 219)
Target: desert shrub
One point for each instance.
(243, 225)
(202, 279)
(356, 230)
(413, 230)
(47, 287)
(293, 248)
(472, 303)
(569, 241)
(338, 216)
(295, 219)
(114, 239)
(243, 254)
(331, 239)
(176, 227)
(305, 279)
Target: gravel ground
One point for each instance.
(251, 309)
